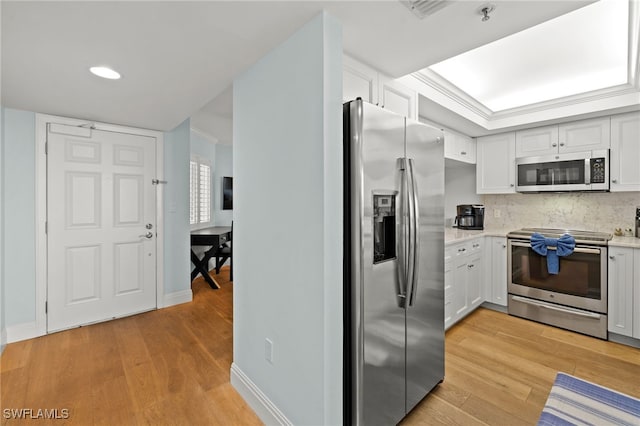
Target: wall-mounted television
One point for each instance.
(227, 193)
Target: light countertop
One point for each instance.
(632, 242)
(455, 235)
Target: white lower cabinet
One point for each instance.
(495, 277)
(624, 286)
(449, 314)
(462, 279)
(636, 293)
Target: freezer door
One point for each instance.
(378, 316)
(425, 310)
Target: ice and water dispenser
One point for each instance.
(384, 227)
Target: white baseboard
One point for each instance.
(258, 401)
(24, 331)
(177, 298)
(3, 340)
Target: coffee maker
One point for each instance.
(470, 216)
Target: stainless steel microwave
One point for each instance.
(574, 171)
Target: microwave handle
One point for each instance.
(587, 171)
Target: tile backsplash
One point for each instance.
(602, 211)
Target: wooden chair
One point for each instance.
(225, 251)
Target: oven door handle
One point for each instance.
(575, 250)
(556, 308)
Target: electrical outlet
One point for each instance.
(268, 350)
(496, 212)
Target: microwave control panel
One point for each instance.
(597, 170)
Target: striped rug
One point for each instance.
(573, 401)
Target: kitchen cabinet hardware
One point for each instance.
(612, 257)
(463, 153)
(554, 145)
(614, 180)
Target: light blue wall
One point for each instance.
(177, 260)
(223, 167)
(18, 214)
(3, 323)
(287, 163)
(19, 196)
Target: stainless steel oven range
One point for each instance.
(576, 297)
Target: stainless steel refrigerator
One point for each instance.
(394, 263)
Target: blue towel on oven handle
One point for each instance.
(564, 247)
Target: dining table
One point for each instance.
(213, 237)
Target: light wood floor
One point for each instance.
(172, 367)
(499, 370)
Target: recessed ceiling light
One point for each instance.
(105, 72)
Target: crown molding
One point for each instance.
(454, 94)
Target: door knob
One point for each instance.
(147, 235)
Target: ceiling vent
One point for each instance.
(423, 8)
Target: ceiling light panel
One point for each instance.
(579, 52)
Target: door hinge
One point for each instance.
(46, 307)
(46, 148)
(46, 227)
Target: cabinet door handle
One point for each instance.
(463, 153)
(470, 266)
(614, 180)
(554, 145)
(504, 246)
(561, 143)
(460, 250)
(612, 257)
(511, 185)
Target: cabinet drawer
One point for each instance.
(475, 245)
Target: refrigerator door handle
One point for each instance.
(414, 235)
(403, 237)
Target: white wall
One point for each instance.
(287, 163)
(459, 187)
(177, 260)
(223, 167)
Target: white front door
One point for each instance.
(101, 214)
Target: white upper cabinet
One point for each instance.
(625, 152)
(396, 97)
(495, 169)
(360, 80)
(584, 135)
(538, 141)
(459, 147)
